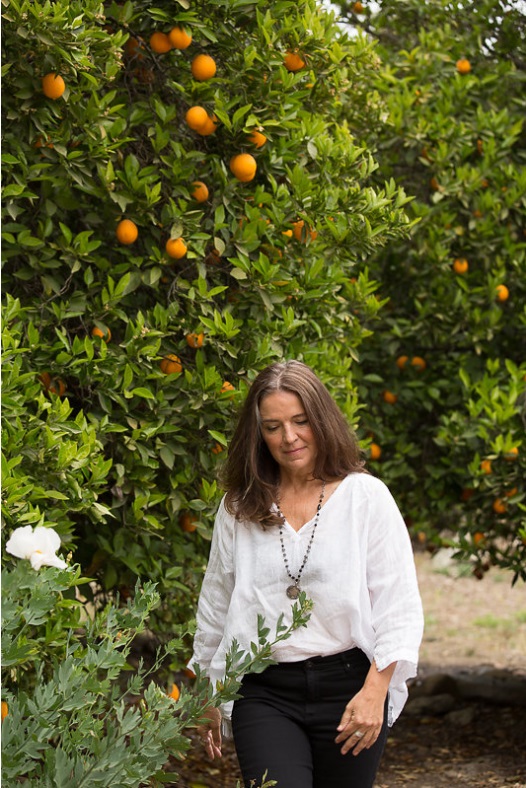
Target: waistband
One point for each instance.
(351, 653)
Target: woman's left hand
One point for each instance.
(361, 721)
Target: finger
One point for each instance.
(347, 718)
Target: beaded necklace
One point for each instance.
(293, 591)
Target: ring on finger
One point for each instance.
(359, 734)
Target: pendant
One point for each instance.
(293, 592)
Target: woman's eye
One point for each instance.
(302, 423)
(270, 429)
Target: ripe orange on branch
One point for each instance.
(512, 454)
(171, 364)
(102, 333)
(188, 522)
(179, 38)
(160, 42)
(174, 692)
(243, 166)
(257, 138)
(389, 397)
(375, 451)
(502, 293)
(293, 61)
(463, 66)
(200, 191)
(461, 266)
(499, 506)
(196, 117)
(127, 232)
(300, 233)
(176, 248)
(5, 710)
(418, 363)
(195, 340)
(53, 86)
(203, 68)
(401, 361)
(485, 466)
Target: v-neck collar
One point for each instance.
(306, 526)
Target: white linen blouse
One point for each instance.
(360, 576)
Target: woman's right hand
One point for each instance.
(210, 733)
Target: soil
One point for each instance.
(473, 629)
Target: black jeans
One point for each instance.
(285, 724)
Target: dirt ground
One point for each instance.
(472, 626)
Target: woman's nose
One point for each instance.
(289, 433)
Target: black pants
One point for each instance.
(285, 724)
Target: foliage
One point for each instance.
(456, 141)
(110, 449)
(73, 719)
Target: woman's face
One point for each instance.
(287, 432)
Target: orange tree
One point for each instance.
(444, 374)
(183, 204)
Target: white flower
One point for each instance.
(38, 546)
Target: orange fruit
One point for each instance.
(478, 537)
(485, 466)
(299, 234)
(389, 397)
(176, 248)
(257, 138)
(502, 293)
(461, 265)
(375, 451)
(189, 673)
(5, 710)
(418, 363)
(217, 449)
(195, 340)
(160, 43)
(463, 66)
(174, 692)
(401, 361)
(179, 38)
(203, 68)
(39, 142)
(288, 233)
(45, 379)
(53, 85)
(127, 232)
(499, 506)
(357, 8)
(243, 166)
(512, 454)
(434, 184)
(196, 117)
(293, 61)
(512, 492)
(171, 364)
(200, 191)
(188, 522)
(227, 386)
(104, 333)
(209, 126)
(134, 47)
(57, 387)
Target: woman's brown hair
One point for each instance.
(251, 474)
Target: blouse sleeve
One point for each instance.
(216, 590)
(397, 615)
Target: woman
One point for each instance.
(300, 513)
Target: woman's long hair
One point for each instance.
(251, 475)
